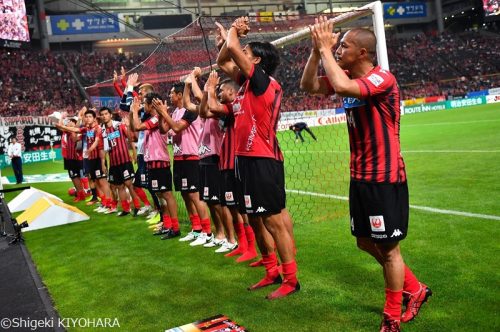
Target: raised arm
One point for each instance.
(325, 40)
(134, 108)
(238, 29)
(224, 61)
(214, 107)
(186, 95)
(162, 109)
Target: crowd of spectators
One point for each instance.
(425, 65)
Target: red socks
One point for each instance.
(126, 206)
(411, 284)
(393, 302)
(195, 222)
(167, 221)
(142, 195)
(251, 252)
(85, 183)
(272, 273)
(242, 241)
(136, 202)
(205, 226)
(175, 224)
(290, 283)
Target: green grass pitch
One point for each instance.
(111, 267)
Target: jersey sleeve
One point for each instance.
(259, 80)
(189, 117)
(375, 83)
(152, 122)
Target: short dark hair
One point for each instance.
(148, 99)
(178, 87)
(231, 83)
(90, 112)
(104, 108)
(73, 120)
(268, 54)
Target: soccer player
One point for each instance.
(186, 130)
(14, 151)
(121, 171)
(140, 180)
(297, 129)
(258, 157)
(96, 164)
(210, 176)
(378, 194)
(158, 162)
(72, 157)
(233, 197)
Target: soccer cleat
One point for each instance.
(123, 213)
(110, 210)
(214, 243)
(144, 210)
(390, 325)
(92, 202)
(135, 212)
(266, 281)
(162, 231)
(202, 239)
(154, 220)
(414, 302)
(98, 208)
(153, 214)
(284, 290)
(226, 247)
(191, 236)
(171, 234)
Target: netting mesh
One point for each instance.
(317, 172)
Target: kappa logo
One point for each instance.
(377, 223)
(203, 149)
(205, 191)
(177, 149)
(248, 201)
(397, 233)
(163, 188)
(154, 183)
(192, 187)
(229, 196)
(215, 198)
(260, 209)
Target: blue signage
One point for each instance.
(83, 24)
(112, 102)
(405, 10)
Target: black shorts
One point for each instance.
(159, 179)
(263, 184)
(140, 179)
(379, 210)
(85, 167)
(118, 174)
(74, 167)
(95, 169)
(187, 175)
(210, 184)
(233, 197)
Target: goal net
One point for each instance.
(317, 171)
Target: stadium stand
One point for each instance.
(426, 65)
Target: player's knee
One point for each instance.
(365, 244)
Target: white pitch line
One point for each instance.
(404, 151)
(416, 207)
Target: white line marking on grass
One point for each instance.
(448, 123)
(404, 151)
(416, 207)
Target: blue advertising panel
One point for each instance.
(83, 24)
(405, 10)
(111, 102)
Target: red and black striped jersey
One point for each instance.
(373, 122)
(116, 134)
(91, 134)
(71, 152)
